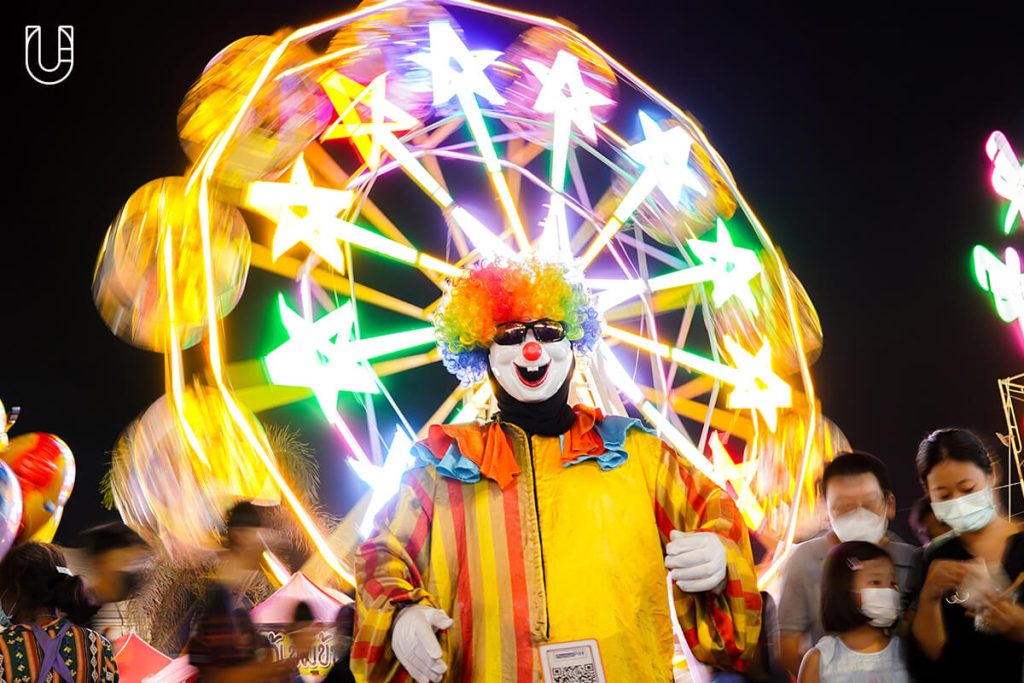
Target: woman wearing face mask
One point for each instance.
(968, 609)
(45, 604)
(860, 603)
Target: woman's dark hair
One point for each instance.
(839, 611)
(107, 537)
(951, 443)
(36, 573)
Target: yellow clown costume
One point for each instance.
(526, 540)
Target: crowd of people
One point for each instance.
(856, 604)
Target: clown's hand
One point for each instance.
(696, 561)
(415, 644)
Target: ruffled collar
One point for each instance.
(467, 452)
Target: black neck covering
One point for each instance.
(550, 417)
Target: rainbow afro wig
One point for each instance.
(497, 291)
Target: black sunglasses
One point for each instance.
(511, 333)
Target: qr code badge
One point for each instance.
(578, 661)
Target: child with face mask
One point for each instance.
(860, 604)
(968, 608)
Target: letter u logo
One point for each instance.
(49, 75)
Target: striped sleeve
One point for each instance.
(722, 629)
(390, 567)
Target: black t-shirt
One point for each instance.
(969, 654)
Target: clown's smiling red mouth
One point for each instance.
(534, 375)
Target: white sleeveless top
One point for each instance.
(840, 664)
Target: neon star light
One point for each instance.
(465, 84)
(278, 201)
(571, 109)
(727, 267)
(379, 134)
(386, 118)
(665, 156)
(384, 481)
(304, 214)
(754, 384)
(1007, 177)
(1004, 280)
(322, 356)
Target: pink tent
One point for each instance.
(279, 607)
(137, 659)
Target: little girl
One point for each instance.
(859, 606)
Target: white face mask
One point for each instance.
(531, 372)
(966, 513)
(880, 605)
(859, 525)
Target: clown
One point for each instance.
(550, 524)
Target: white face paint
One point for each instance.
(531, 372)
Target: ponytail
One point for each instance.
(40, 574)
(69, 596)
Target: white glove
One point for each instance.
(415, 644)
(696, 560)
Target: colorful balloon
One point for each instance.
(129, 284)
(10, 508)
(45, 468)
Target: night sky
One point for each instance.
(857, 134)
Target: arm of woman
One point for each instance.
(809, 667)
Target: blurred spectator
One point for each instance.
(343, 625)
(860, 606)
(925, 524)
(46, 605)
(116, 560)
(967, 618)
(860, 504)
(224, 645)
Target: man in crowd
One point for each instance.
(860, 505)
(115, 561)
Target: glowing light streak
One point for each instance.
(275, 568)
(384, 481)
(735, 475)
(665, 156)
(1004, 280)
(1007, 177)
(466, 84)
(677, 439)
(728, 268)
(572, 109)
(754, 384)
(469, 412)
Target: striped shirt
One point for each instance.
(570, 548)
(87, 654)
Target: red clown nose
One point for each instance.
(531, 350)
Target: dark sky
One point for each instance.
(857, 134)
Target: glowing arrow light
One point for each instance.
(384, 481)
(1004, 280)
(572, 109)
(665, 156)
(729, 269)
(465, 83)
(1007, 177)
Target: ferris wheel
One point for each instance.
(370, 157)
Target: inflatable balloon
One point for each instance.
(45, 468)
(10, 508)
